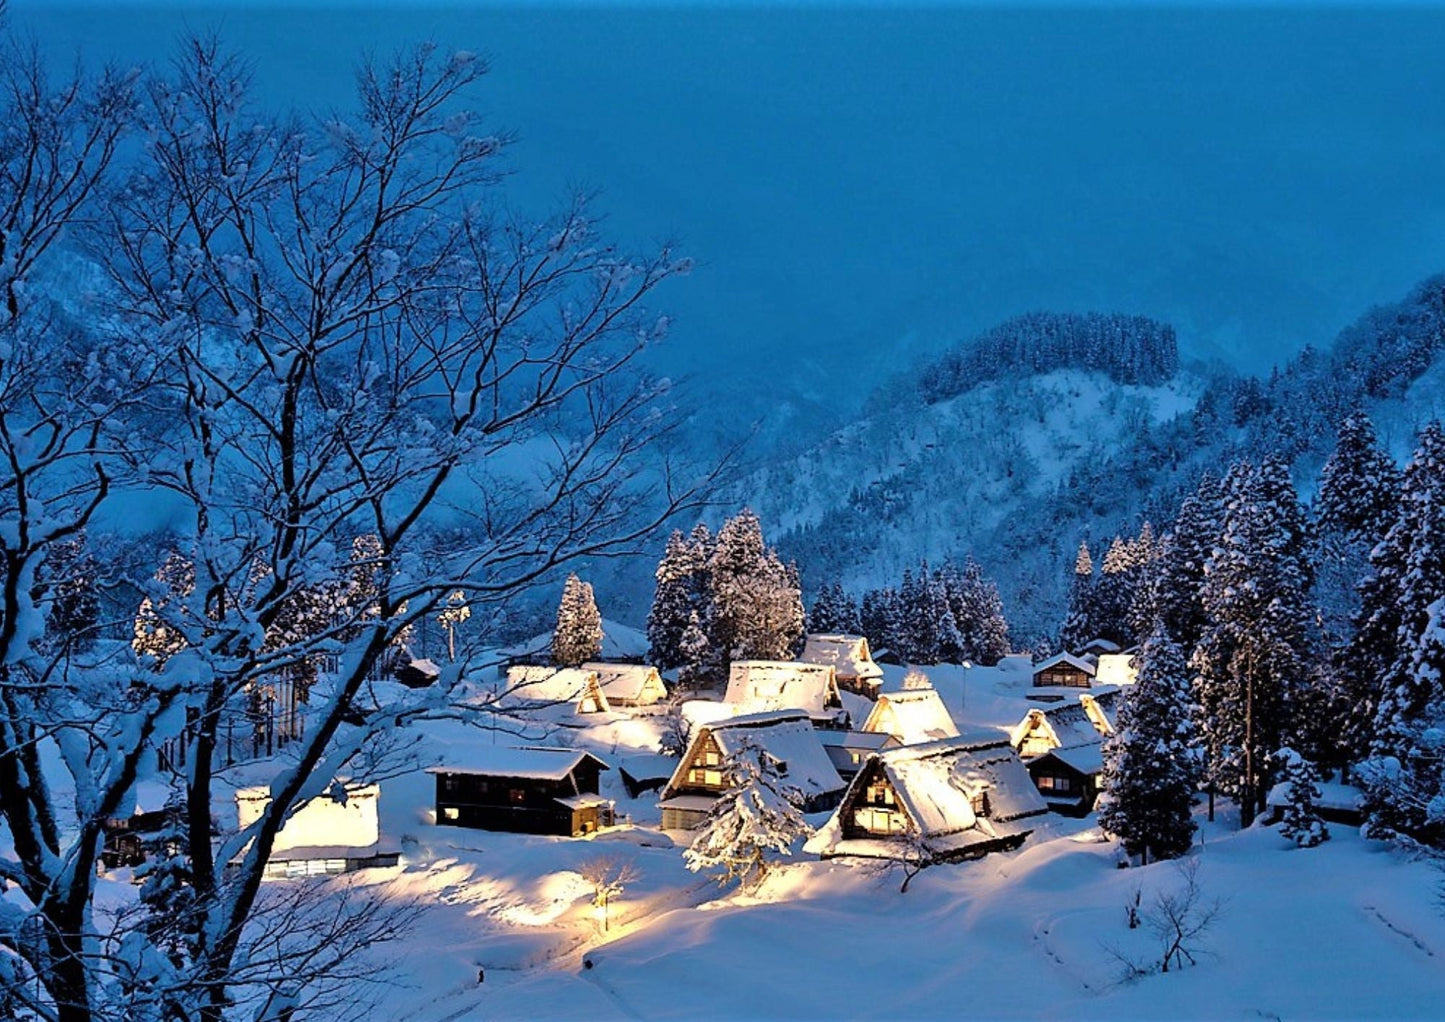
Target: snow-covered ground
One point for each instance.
(1346, 930)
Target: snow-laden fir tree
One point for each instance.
(156, 637)
(1301, 822)
(578, 635)
(1079, 624)
(1181, 565)
(1357, 502)
(1406, 590)
(698, 661)
(757, 604)
(674, 601)
(834, 612)
(1257, 644)
(1150, 764)
(758, 813)
(168, 901)
(978, 612)
(68, 580)
(878, 617)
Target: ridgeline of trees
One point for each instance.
(1127, 349)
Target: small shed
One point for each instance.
(1068, 777)
(850, 659)
(952, 799)
(1098, 647)
(540, 686)
(787, 735)
(912, 716)
(335, 832)
(523, 790)
(629, 684)
(1065, 670)
(645, 772)
(1067, 724)
(1338, 803)
(765, 686)
(128, 839)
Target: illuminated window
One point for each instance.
(450, 813)
(517, 796)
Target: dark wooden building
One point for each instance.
(1064, 670)
(1068, 778)
(128, 839)
(525, 791)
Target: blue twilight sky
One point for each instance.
(864, 184)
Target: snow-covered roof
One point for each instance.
(538, 684)
(1072, 724)
(912, 716)
(788, 736)
(847, 654)
(936, 784)
(1099, 646)
(648, 766)
(1116, 669)
(1086, 759)
(758, 686)
(526, 763)
(630, 683)
(1083, 663)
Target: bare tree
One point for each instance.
(609, 877)
(338, 335)
(1177, 919)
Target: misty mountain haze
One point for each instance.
(863, 187)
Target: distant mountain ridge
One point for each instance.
(1052, 428)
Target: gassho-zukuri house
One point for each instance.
(951, 799)
(338, 831)
(786, 735)
(567, 688)
(850, 658)
(763, 686)
(911, 716)
(629, 684)
(1065, 725)
(523, 790)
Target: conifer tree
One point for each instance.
(1301, 823)
(1114, 592)
(759, 812)
(68, 580)
(1257, 644)
(1149, 763)
(673, 603)
(578, 635)
(156, 634)
(1410, 571)
(978, 612)
(1079, 625)
(1181, 565)
(698, 662)
(757, 605)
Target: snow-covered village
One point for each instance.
(721, 511)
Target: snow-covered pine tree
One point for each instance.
(1181, 566)
(156, 635)
(1410, 565)
(758, 813)
(698, 660)
(1143, 612)
(757, 603)
(834, 612)
(68, 579)
(878, 618)
(1257, 645)
(1301, 822)
(1150, 768)
(1114, 591)
(978, 612)
(1079, 624)
(672, 602)
(578, 635)
(168, 899)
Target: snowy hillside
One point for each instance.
(1017, 470)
